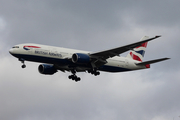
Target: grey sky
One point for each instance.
(93, 26)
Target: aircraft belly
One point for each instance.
(109, 67)
(43, 59)
(57, 61)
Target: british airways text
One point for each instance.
(48, 53)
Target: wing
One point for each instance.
(116, 51)
(100, 57)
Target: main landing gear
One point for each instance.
(22, 61)
(74, 77)
(94, 72)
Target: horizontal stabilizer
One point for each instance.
(152, 61)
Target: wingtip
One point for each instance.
(168, 58)
(157, 36)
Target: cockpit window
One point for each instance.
(15, 47)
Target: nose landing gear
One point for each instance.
(23, 66)
(22, 61)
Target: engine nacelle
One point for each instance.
(47, 69)
(80, 58)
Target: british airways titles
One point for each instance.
(48, 53)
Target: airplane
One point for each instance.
(71, 60)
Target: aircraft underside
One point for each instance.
(67, 65)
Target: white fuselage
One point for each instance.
(62, 58)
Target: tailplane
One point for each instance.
(138, 52)
(152, 61)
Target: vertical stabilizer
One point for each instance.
(138, 52)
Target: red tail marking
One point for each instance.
(143, 45)
(135, 57)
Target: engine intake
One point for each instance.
(80, 58)
(47, 69)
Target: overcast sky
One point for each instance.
(92, 25)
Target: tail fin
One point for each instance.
(138, 52)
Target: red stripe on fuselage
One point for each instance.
(32, 46)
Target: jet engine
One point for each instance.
(47, 69)
(80, 58)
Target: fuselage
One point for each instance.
(61, 57)
(71, 60)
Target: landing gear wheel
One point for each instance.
(23, 66)
(70, 77)
(97, 73)
(94, 72)
(74, 77)
(22, 61)
(77, 79)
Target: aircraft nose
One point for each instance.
(11, 51)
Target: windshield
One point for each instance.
(15, 47)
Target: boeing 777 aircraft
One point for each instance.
(63, 59)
